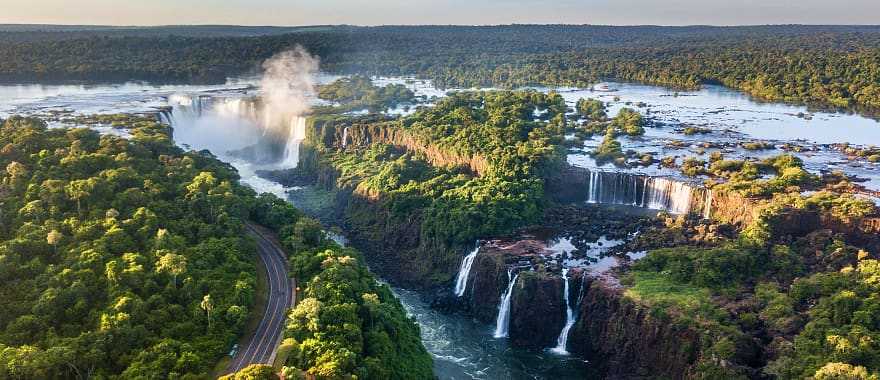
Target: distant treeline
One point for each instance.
(825, 65)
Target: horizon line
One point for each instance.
(134, 26)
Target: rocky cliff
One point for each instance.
(344, 134)
(627, 340)
(537, 310)
(486, 282)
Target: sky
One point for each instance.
(379, 12)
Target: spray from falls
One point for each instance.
(271, 124)
(287, 82)
(503, 320)
(562, 341)
(464, 271)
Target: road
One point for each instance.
(261, 347)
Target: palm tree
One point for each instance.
(208, 306)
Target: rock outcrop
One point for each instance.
(627, 340)
(537, 310)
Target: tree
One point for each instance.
(173, 264)
(79, 190)
(253, 372)
(53, 238)
(843, 371)
(208, 306)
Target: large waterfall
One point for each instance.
(464, 271)
(230, 123)
(656, 193)
(562, 341)
(503, 320)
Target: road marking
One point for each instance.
(248, 354)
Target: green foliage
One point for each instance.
(609, 149)
(253, 372)
(718, 269)
(346, 324)
(629, 122)
(359, 92)
(591, 109)
(107, 249)
(786, 173)
(338, 340)
(472, 167)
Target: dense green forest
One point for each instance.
(791, 295)
(345, 324)
(475, 167)
(126, 258)
(836, 66)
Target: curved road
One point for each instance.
(260, 348)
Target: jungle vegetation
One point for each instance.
(126, 258)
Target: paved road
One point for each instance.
(260, 348)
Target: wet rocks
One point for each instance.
(537, 310)
(487, 282)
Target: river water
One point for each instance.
(463, 348)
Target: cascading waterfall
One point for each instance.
(503, 320)
(188, 109)
(593, 196)
(656, 193)
(562, 341)
(707, 208)
(345, 137)
(297, 135)
(464, 271)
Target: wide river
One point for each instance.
(462, 348)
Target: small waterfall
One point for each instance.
(166, 116)
(345, 137)
(707, 208)
(562, 341)
(464, 271)
(593, 196)
(503, 320)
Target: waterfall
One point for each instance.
(581, 290)
(297, 134)
(593, 196)
(345, 137)
(569, 319)
(464, 271)
(503, 319)
(707, 208)
(656, 193)
(166, 116)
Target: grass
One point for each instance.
(261, 297)
(655, 288)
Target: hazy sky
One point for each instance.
(373, 12)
